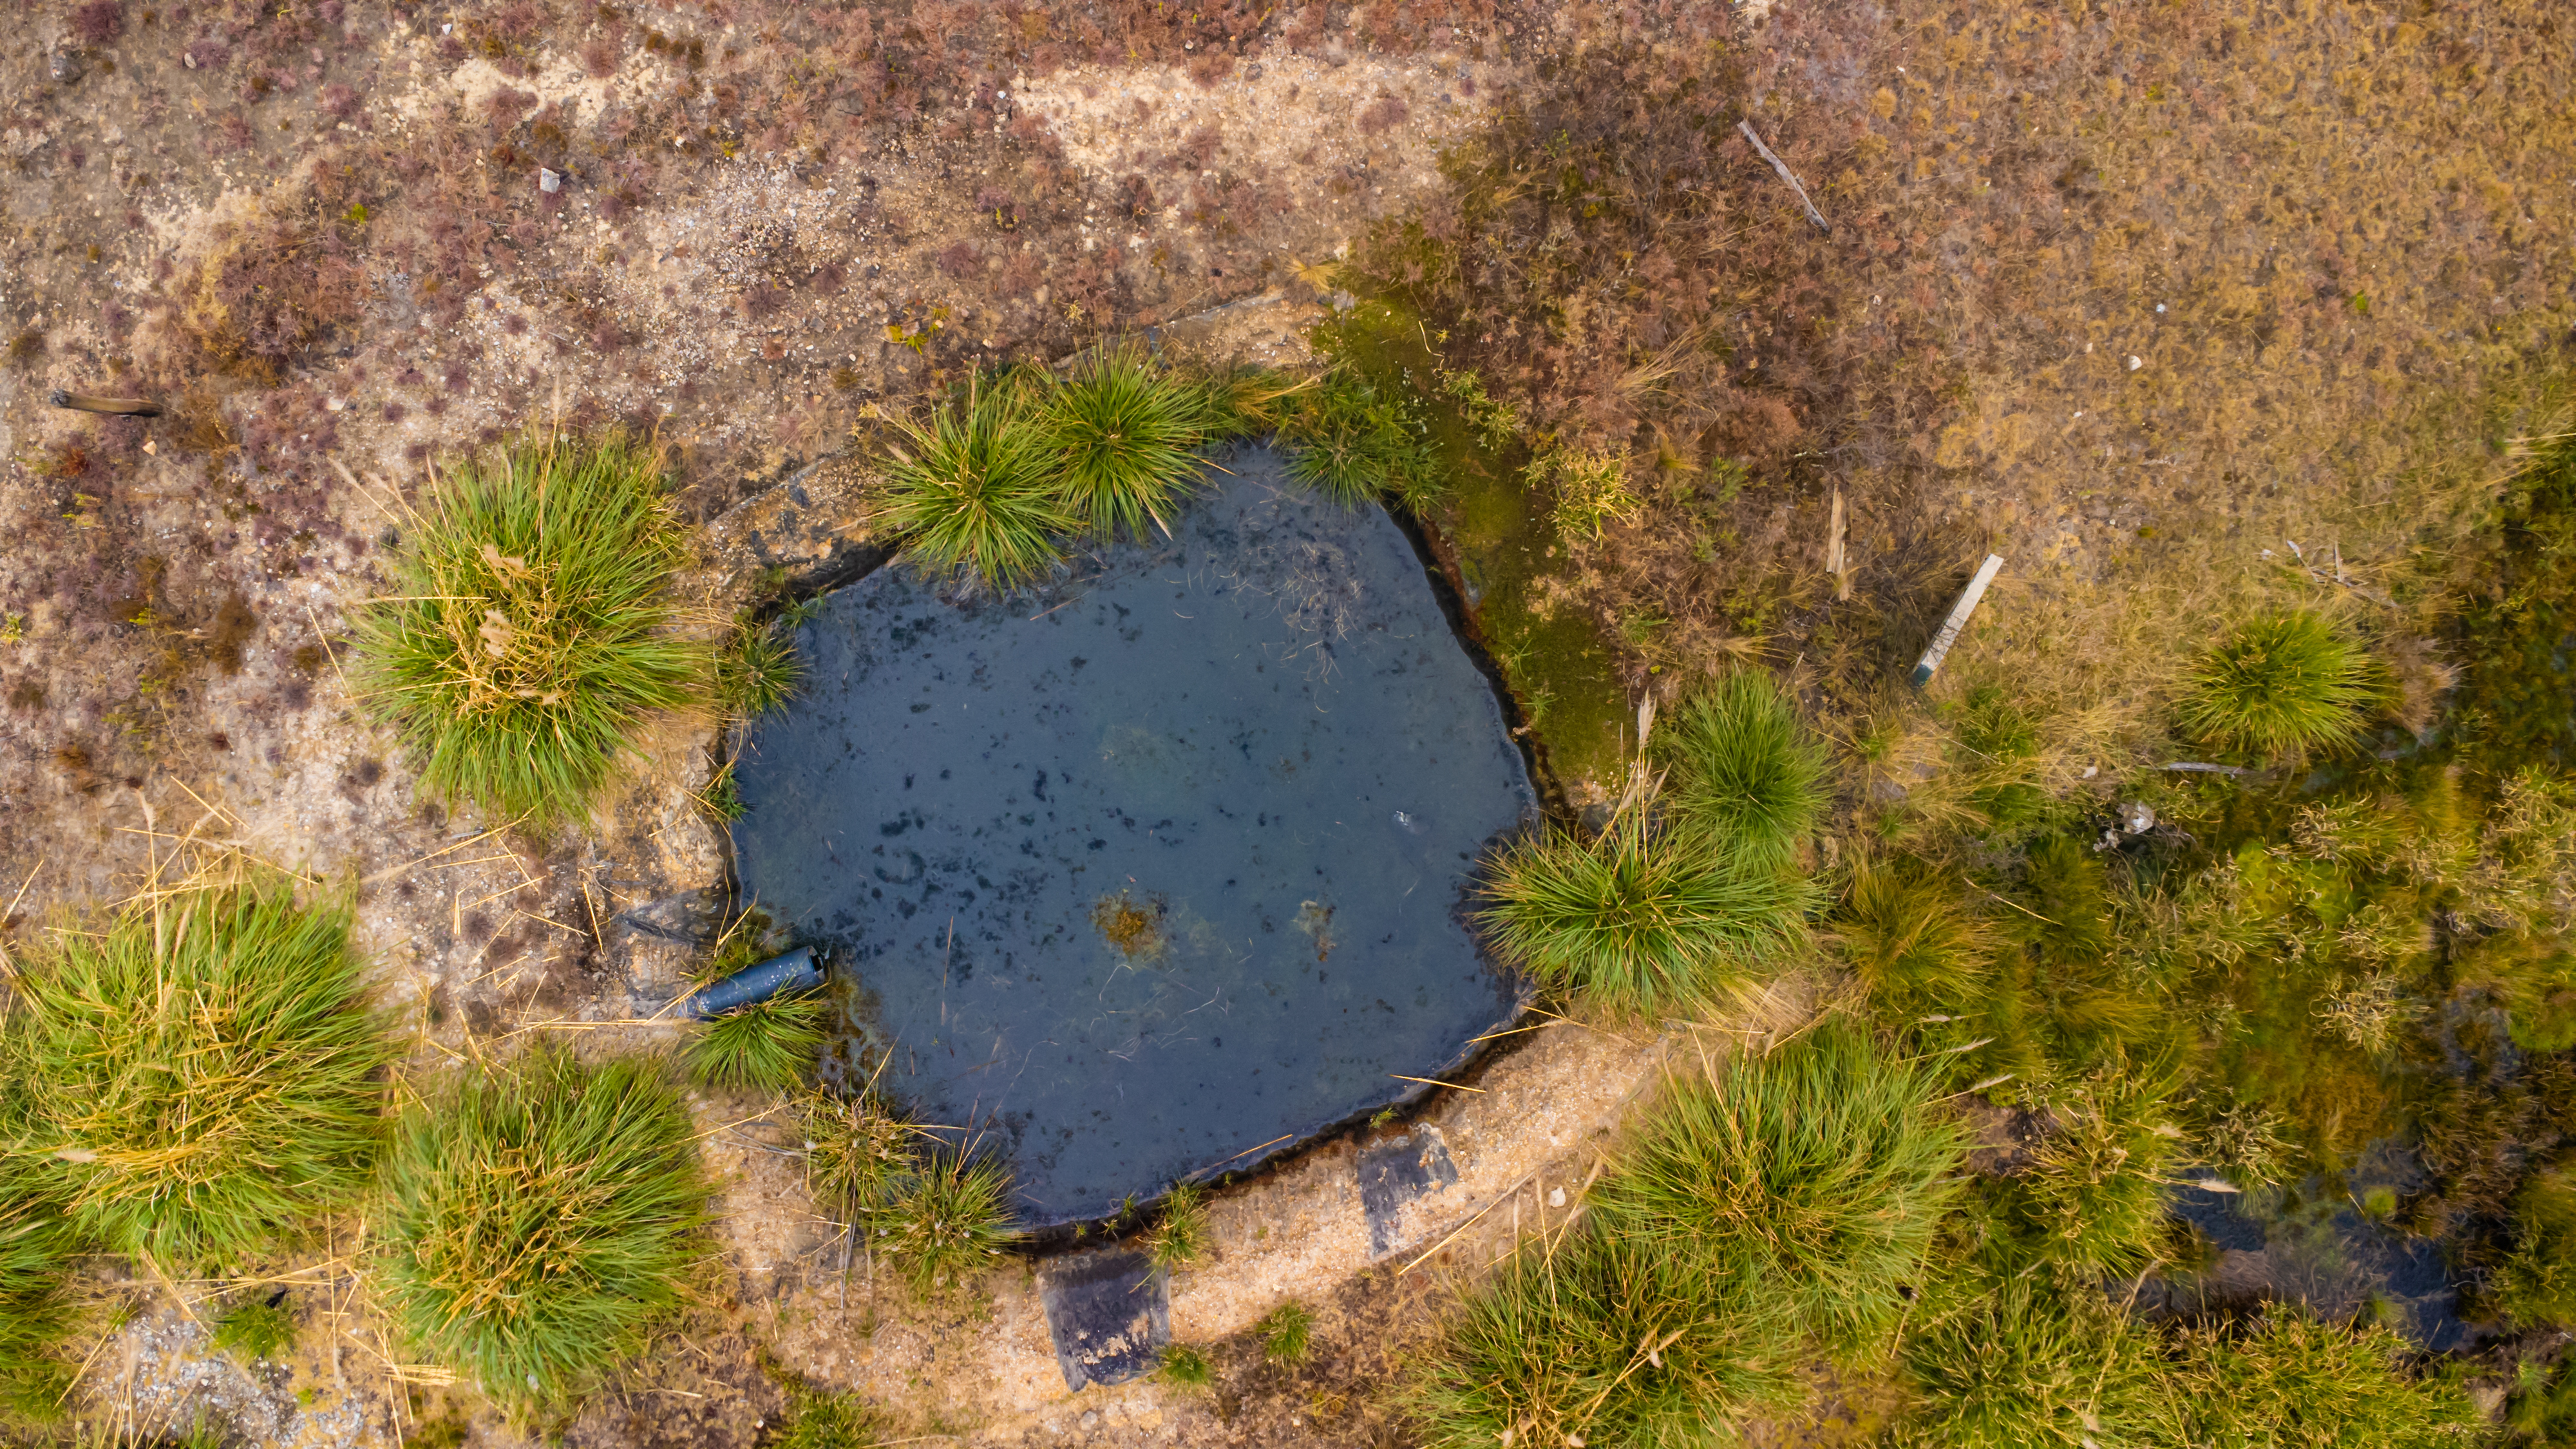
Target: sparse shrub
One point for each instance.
(1181, 1236)
(266, 296)
(1285, 1333)
(2284, 684)
(536, 1219)
(1124, 434)
(1811, 1181)
(2287, 1381)
(768, 1046)
(99, 21)
(757, 669)
(1641, 922)
(1185, 1366)
(1351, 441)
(970, 489)
(948, 1218)
(204, 1073)
(1743, 769)
(260, 1327)
(2025, 1363)
(529, 640)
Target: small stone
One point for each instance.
(2137, 818)
(1556, 1197)
(2135, 364)
(549, 180)
(64, 66)
(1090, 1420)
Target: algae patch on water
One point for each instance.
(1501, 536)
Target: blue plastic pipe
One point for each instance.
(795, 971)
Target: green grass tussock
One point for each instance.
(768, 1046)
(1125, 434)
(2536, 1285)
(1743, 769)
(203, 1076)
(1641, 921)
(536, 1219)
(857, 1153)
(2287, 1381)
(261, 1327)
(2025, 1364)
(1605, 1341)
(1905, 931)
(1186, 1367)
(1286, 1332)
(1814, 1178)
(1784, 1208)
(757, 670)
(973, 489)
(830, 1421)
(2092, 1197)
(947, 1218)
(36, 1312)
(1352, 441)
(2283, 685)
(528, 639)
(1181, 1235)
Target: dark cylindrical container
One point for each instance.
(795, 971)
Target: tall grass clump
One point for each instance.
(2288, 1380)
(1910, 941)
(534, 1221)
(202, 1076)
(1602, 1340)
(973, 490)
(36, 1314)
(2092, 1197)
(757, 669)
(1125, 434)
(1640, 921)
(2283, 684)
(1353, 442)
(1812, 1179)
(2026, 1363)
(1743, 769)
(1181, 1235)
(857, 1153)
(947, 1218)
(528, 639)
(768, 1046)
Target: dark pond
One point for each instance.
(1158, 871)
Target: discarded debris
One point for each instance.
(131, 407)
(1958, 620)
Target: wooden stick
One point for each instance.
(128, 407)
(1787, 175)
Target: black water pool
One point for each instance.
(1152, 873)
